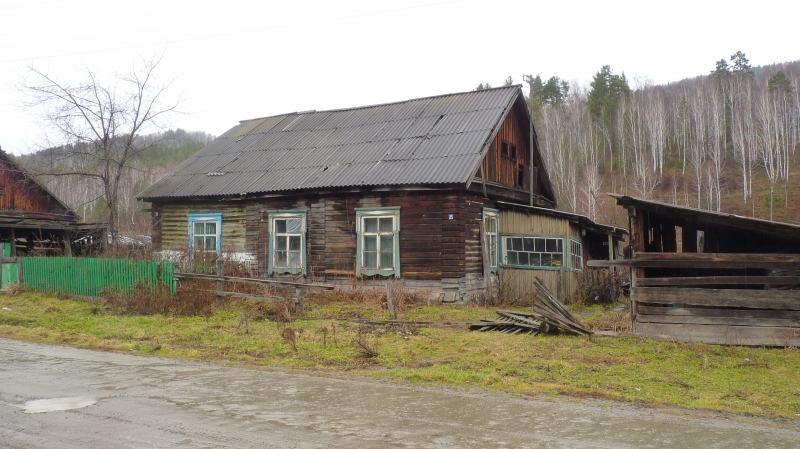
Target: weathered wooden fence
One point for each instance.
(91, 276)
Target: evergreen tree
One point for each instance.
(606, 89)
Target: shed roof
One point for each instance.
(692, 215)
(434, 140)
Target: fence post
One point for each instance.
(220, 282)
(300, 293)
(390, 303)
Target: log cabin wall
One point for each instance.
(439, 244)
(500, 165)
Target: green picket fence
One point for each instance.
(90, 276)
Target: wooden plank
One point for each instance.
(718, 280)
(719, 321)
(727, 335)
(704, 260)
(249, 296)
(714, 312)
(249, 280)
(752, 299)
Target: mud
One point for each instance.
(163, 403)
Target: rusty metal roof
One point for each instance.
(434, 140)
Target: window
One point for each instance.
(205, 231)
(504, 149)
(508, 151)
(287, 241)
(491, 227)
(533, 251)
(378, 244)
(576, 254)
(513, 152)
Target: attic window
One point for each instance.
(508, 151)
(2, 190)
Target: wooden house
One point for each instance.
(712, 277)
(392, 190)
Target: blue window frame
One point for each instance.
(378, 241)
(539, 252)
(287, 241)
(205, 232)
(491, 226)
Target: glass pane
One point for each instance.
(211, 244)
(492, 259)
(294, 243)
(539, 245)
(528, 243)
(386, 224)
(280, 259)
(512, 258)
(387, 259)
(294, 226)
(280, 226)
(492, 225)
(560, 245)
(558, 260)
(523, 258)
(508, 244)
(370, 259)
(547, 260)
(370, 225)
(198, 228)
(534, 260)
(211, 228)
(370, 243)
(387, 242)
(516, 244)
(198, 243)
(294, 259)
(280, 243)
(552, 246)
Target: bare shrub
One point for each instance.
(290, 337)
(599, 286)
(192, 299)
(361, 341)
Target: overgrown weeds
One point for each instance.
(192, 299)
(601, 286)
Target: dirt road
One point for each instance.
(70, 398)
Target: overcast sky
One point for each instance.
(232, 60)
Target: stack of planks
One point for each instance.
(548, 315)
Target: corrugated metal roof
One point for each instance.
(422, 141)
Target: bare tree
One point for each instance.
(96, 124)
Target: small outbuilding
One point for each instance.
(712, 277)
(419, 190)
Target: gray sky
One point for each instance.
(234, 59)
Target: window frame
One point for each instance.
(489, 212)
(378, 212)
(504, 251)
(580, 247)
(273, 215)
(205, 218)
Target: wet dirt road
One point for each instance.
(62, 397)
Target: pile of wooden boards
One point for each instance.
(548, 315)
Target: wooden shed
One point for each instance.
(394, 190)
(712, 277)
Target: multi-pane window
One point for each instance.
(491, 228)
(205, 231)
(378, 241)
(576, 254)
(287, 241)
(533, 251)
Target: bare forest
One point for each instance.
(725, 141)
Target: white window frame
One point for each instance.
(493, 243)
(363, 213)
(295, 214)
(576, 259)
(517, 263)
(208, 218)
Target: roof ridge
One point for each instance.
(354, 108)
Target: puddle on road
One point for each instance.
(57, 404)
(193, 372)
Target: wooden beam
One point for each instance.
(719, 280)
(725, 335)
(249, 280)
(718, 320)
(751, 299)
(713, 312)
(705, 260)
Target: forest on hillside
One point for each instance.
(725, 141)
(161, 154)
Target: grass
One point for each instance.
(755, 381)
